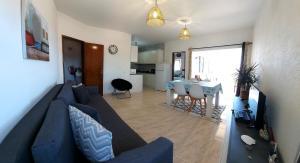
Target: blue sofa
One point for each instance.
(128, 146)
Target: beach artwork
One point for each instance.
(35, 33)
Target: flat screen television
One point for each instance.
(257, 104)
(257, 107)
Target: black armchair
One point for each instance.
(121, 86)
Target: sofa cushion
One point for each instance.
(54, 141)
(91, 138)
(92, 112)
(124, 138)
(66, 94)
(81, 94)
(157, 151)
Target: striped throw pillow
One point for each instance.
(93, 140)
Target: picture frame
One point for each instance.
(35, 33)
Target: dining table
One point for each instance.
(211, 89)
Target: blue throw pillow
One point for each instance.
(93, 140)
(92, 112)
(82, 94)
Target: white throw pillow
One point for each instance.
(93, 140)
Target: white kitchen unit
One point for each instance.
(134, 54)
(137, 83)
(151, 56)
(162, 76)
(160, 56)
(149, 80)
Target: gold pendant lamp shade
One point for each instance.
(184, 34)
(155, 17)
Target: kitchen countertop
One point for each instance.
(145, 73)
(136, 74)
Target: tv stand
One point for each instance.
(238, 151)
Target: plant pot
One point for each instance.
(244, 94)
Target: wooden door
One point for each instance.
(93, 65)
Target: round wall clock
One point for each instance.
(113, 49)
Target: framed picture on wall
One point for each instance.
(35, 36)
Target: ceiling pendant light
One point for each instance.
(155, 18)
(184, 34)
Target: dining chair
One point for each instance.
(198, 99)
(182, 96)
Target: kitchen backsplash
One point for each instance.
(143, 68)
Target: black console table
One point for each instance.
(239, 152)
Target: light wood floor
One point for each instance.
(196, 140)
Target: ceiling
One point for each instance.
(208, 16)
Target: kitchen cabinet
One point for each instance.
(134, 54)
(149, 80)
(151, 56)
(160, 56)
(137, 82)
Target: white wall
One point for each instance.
(23, 82)
(276, 49)
(115, 66)
(224, 38)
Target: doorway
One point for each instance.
(178, 65)
(218, 65)
(83, 62)
(72, 59)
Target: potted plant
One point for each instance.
(246, 76)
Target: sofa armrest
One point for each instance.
(158, 151)
(93, 90)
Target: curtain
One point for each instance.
(190, 50)
(245, 60)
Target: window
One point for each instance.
(217, 65)
(177, 65)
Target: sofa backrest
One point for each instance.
(66, 94)
(55, 142)
(16, 147)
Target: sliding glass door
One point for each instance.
(218, 65)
